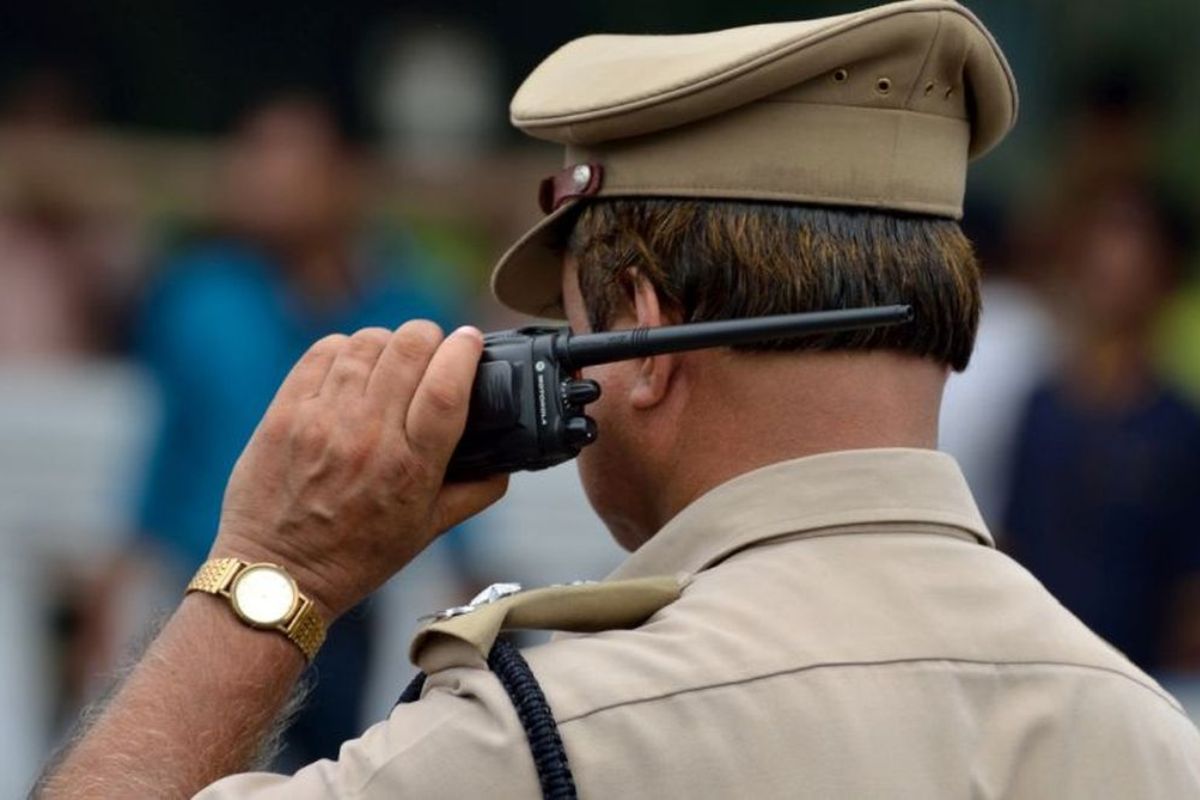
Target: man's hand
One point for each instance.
(342, 485)
(342, 481)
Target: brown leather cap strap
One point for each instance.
(577, 180)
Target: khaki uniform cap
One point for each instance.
(877, 109)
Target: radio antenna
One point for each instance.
(588, 349)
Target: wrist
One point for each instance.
(309, 583)
(215, 622)
(264, 596)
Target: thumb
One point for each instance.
(460, 501)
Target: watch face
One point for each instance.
(263, 594)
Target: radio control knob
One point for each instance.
(579, 393)
(579, 431)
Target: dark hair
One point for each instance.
(713, 260)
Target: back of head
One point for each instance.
(711, 260)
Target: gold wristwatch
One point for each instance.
(263, 596)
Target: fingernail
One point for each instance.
(468, 330)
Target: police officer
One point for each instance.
(813, 606)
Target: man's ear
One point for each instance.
(654, 373)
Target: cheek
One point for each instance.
(610, 483)
(604, 466)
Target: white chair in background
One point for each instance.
(73, 439)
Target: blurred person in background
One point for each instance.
(1105, 491)
(1015, 345)
(64, 252)
(226, 320)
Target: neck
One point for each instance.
(760, 409)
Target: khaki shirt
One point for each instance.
(849, 631)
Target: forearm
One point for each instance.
(196, 708)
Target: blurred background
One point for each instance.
(191, 193)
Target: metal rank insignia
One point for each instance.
(491, 594)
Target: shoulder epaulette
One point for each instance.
(471, 630)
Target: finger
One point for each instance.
(439, 407)
(461, 501)
(309, 372)
(401, 365)
(352, 368)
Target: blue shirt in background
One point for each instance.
(1105, 511)
(219, 332)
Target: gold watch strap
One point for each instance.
(304, 628)
(307, 629)
(215, 575)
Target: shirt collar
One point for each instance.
(819, 495)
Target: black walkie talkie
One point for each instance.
(527, 403)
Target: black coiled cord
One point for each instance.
(549, 755)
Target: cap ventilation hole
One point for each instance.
(883, 85)
(949, 91)
(840, 75)
(929, 88)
